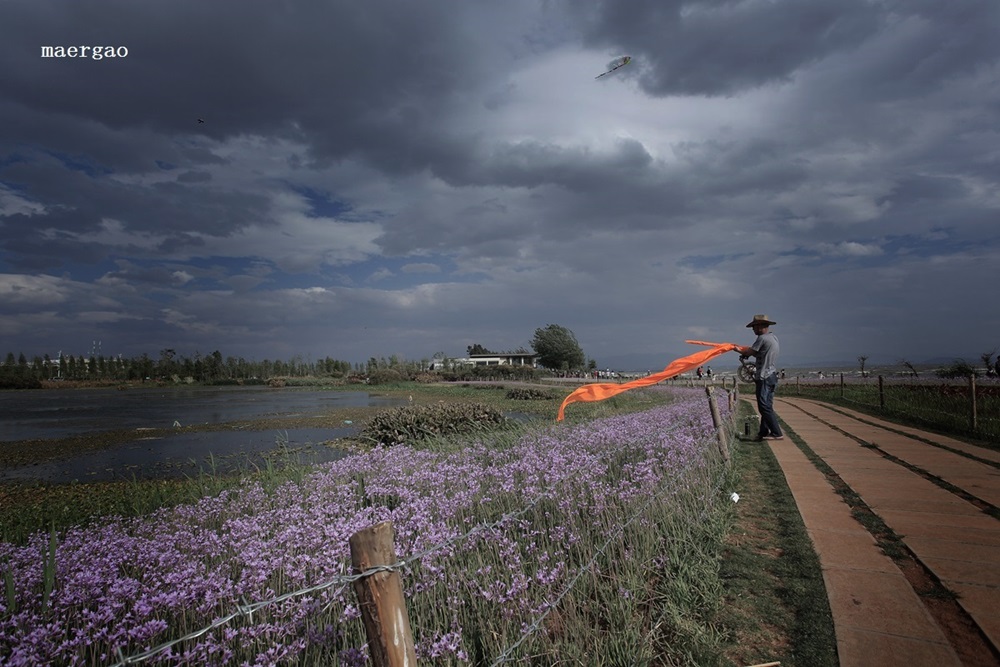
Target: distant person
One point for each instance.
(700, 372)
(765, 351)
(708, 372)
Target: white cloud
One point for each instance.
(17, 289)
(381, 274)
(12, 203)
(850, 249)
(420, 267)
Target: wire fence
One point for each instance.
(509, 653)
(247, 609)
(968, 406)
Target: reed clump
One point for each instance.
(418, 422)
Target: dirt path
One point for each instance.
(907, 527)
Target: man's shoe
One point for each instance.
(774, 437)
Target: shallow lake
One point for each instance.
(51, 414)
(56, 413)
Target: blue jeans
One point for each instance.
(765, 404)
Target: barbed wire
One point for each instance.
(893, 401)
(247, 609)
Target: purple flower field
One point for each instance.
(582, 519)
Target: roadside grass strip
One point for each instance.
(591, 543)
(776, 607)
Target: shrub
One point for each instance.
(411, 423)
(385, 376)
(960, 368)
(427, 378)
(528, 394)
(498, 372)
(16, 380)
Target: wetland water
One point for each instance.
(27, 417)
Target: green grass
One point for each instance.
(776, 604)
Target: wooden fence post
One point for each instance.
(972, 403)
(841, 385)
(380, 598)
(881, 393)
(720, 431)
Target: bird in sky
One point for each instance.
(201, 120)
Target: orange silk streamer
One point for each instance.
(600, 391)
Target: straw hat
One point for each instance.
(761, 319)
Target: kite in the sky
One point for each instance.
(616, 64)
(599, 392)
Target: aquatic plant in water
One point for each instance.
(555, 501)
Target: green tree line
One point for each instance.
(556, 346)
(208, 368)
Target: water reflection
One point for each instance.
(53, 414)
(56, 413)
(186, 454)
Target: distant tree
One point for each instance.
(987, 358)
(557, 347)
(909, 367)
(861, 360)
(476, 348)
(960, 368)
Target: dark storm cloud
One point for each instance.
(724, 47)
(720, 48)
(832, 161)
(79, 202)
(531, 164)
(356, 78)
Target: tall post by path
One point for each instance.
(380, 598)
(841, 385)
(881, 393)
(972, 404)
(720, 431)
